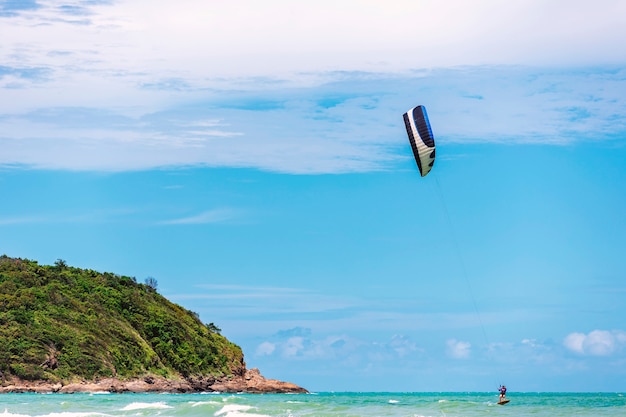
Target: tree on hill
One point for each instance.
(152, 283)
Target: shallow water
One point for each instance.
(315, 404)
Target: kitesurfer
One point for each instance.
(502, 390)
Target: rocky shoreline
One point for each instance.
(251, 382)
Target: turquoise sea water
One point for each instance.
(316, 404)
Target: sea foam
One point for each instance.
(237, 410)
(141, 406)
(6, 413)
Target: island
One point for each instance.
(66, 329)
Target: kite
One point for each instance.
(421, 138)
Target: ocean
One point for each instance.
(314, 405)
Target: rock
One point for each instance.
(251, 381)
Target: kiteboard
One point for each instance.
(503, 402)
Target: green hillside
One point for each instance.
(59, 323)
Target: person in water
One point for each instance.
(502, 390)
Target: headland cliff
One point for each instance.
(67, 329)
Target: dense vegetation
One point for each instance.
(60, 323)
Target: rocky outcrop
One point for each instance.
(73, 326)
(254, 382)
(251, 382)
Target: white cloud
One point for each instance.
(458, 349)
(352, 124)
(575, 342)
(402, 345)
(301, 344)
(265, 349)
(293, 346)
(22, 220)
(596, 342)
(299, 87)
(217, 39)
(93, 216)
(254, 303)
(206, 217)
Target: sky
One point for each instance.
(252, 158)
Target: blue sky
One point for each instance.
(251, 156)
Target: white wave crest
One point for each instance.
(199, 403)
(6, 413)
(140, 406)
(237, 410)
